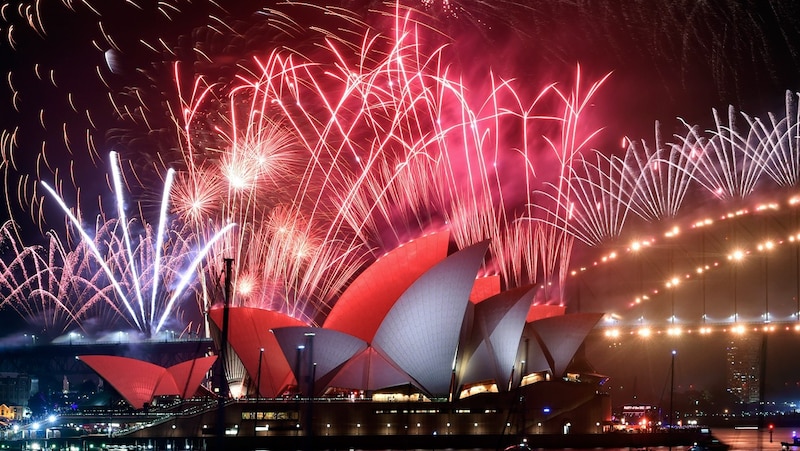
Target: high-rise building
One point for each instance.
(15, 389)
(744, 363)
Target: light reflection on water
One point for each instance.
(737, 439)
(750, 439)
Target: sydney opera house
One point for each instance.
(416, 345)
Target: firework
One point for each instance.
(131, 266)
(602, 197)
(32, 287)
(329, 145)
(375, 150)
(730, 162)
(781, 142)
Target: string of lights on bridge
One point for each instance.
(739, 329)
(611, 327)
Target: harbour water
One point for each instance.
(752, 439)
(739, 439)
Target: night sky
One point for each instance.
(667, 59)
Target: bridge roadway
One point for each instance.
(61, 358)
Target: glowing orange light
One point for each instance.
(736, 255)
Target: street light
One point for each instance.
(258, 378)
(298, 366)
(762, 376)
(671, 394)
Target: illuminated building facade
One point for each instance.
(744, 358)
(418, 344)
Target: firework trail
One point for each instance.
(780, 139)
(602, 192)
(389, 143)
(30, 286)
(71, 80)
(730, 162)
(661, 176)
(130, 265)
